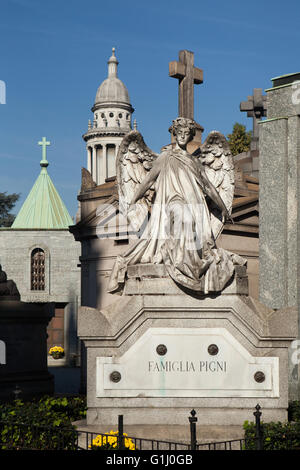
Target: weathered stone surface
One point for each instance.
(23, 330)
(62, 257)
(279, 204)
(154, 279)
(279, 200)
(280, 102)
(188, 75)
(87, 181)
(255, 107)
(112, 333)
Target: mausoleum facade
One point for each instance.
(40, 255)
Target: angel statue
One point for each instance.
(185, 200)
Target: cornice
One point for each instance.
(112, 105)
(102, 132)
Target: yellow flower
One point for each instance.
(56, 349)
(111, 439)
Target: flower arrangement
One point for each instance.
(57, 352)
(109, 441)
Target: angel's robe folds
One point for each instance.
(179, 232)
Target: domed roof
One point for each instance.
(112, 89)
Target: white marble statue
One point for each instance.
(178, 203)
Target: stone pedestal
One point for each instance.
(158, 352)
(24, 339)
(279, 198)
(279, 195)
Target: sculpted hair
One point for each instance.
(183, 122)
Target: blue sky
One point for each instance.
(54, 56)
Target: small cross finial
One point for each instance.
(44, 144)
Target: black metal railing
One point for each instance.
(14, 435)
(234, 444)
(247, 443)
(119, 441)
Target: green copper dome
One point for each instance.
(43, 207)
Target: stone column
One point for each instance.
(104, 163)
(89, 159)
(94, 170)
(117, 150)
(279, 196)
(279, 200)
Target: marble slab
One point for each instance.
(187, 362)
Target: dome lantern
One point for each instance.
(112, 91)
(111, 122)
(113, 65)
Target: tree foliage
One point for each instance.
(7, 203)
(239, 140)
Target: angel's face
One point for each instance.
(183, 136)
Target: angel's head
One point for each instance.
(184, 130)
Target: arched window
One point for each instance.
(38, 269)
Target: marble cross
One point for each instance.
(44, 144)
(188, 75)
(256, 107)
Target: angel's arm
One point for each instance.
(147, 181)
(211, 191)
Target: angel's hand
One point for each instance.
(226, 216)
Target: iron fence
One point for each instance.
(15, 435)
(86, 442)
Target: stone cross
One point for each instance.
(256, 107)
(188, 75)
(44, 144)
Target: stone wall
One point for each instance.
(62, 272)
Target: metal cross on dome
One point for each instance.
(44, 144)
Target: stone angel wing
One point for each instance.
(216, 157)
(134, 160)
